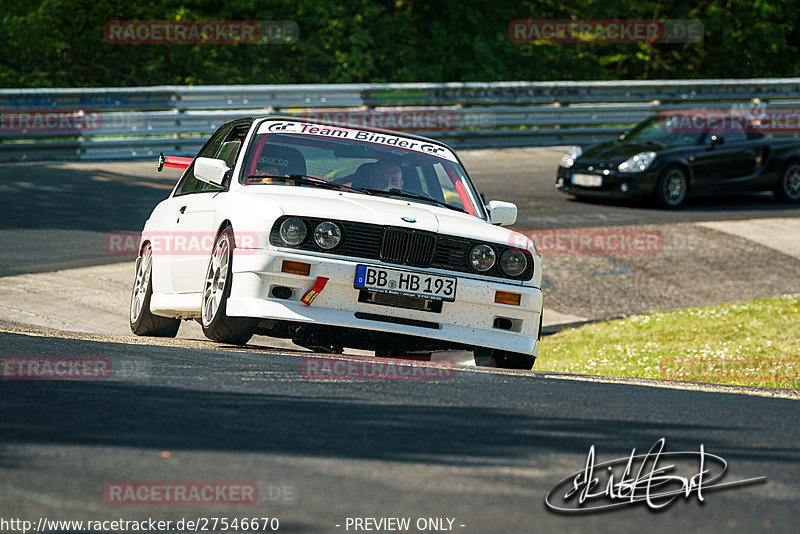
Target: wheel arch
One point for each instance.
(682, 165)
(794, 158)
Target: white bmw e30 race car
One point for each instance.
(337, 236)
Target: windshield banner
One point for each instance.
(338, 132)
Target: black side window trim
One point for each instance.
(219, 135)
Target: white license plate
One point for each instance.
(587, 180)
(410, 283)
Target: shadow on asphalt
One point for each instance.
(59, 197)
(195, 399)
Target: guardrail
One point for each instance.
(121, 123)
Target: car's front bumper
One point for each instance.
(615, 184)
(471, 320)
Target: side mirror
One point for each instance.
(502, 213)
(715, 140)
(211, 171)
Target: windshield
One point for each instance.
(369, 162)
(659, 131)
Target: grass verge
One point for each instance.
(754, 343)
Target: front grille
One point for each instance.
(408, 247)
(400, 246)
(394, 245)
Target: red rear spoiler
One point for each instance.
(176, 162)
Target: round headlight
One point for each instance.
(481, 257)
(513, 262)
(327, 235)
(293, 231)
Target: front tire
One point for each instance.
(671, 188)
(216, 291)
(788, 188)
(142, 322)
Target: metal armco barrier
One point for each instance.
(127, 123)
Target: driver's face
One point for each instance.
(388, 177)
(269, 170)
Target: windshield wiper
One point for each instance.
(307, 179)
(408, 194)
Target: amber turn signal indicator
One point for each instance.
(504, 297)
(295, 267)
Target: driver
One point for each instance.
(269, 170)
(387, 175)
(263, 175)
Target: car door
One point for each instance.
(190, 208)
(196, 224)
(732, 160)
(159, 232)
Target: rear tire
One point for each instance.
(671, 188)
(142, 322)
(788, 187)
(216, 291)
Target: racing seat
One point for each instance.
(285, 159)
(411, 181)
(361, 178)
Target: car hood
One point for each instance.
(341, 205)
(616, 151)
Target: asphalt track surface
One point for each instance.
(480, 446)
